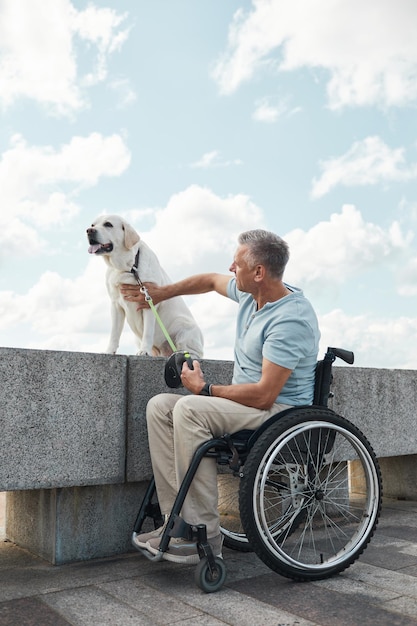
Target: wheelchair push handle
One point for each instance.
(346, 355)
(324, 376)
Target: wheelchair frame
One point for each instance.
(301, 456)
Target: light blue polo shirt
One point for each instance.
(285, 332)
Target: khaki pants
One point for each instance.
(177, 426)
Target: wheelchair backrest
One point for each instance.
(323, 375)
(322, 384)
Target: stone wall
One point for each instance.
(74, 454)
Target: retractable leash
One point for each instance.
(175, 362)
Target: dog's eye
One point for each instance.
(108, 225)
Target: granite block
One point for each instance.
(382, 403)
(145, 380)
(62, 419)
(75, 523)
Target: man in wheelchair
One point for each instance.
(276, 349)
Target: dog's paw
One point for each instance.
(143, 353)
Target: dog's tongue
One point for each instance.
(93, 249)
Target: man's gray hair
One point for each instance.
(267, 249)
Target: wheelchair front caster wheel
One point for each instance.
(210, 581)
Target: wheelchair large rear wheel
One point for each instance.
(234, 536)
(310, 494)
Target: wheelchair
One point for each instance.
(303, 492)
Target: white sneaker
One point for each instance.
(183, 550)
(141, 540)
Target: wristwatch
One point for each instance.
(206, 390)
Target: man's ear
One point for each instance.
(131, 236)
(259, 272)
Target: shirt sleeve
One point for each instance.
(232, 291)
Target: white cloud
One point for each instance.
(345, 245)
(126, 94)
(213, 159)
(56, 309)
(32, 177)
(197, 232)
(376, 341)
(99, 26)
(269, 110)
(17, 237)
(407, 278)
(198, 229)
(264, 112)
(39, 47)
(367, 162)
(368, 50)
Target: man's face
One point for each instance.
(244, 274)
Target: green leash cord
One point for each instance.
(148, 299)
(158, 319)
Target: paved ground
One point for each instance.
(379, 590)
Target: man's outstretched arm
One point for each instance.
(199, 283)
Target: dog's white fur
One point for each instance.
(117, 242)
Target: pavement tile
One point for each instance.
(399, 582)
(38, 577)
(243, 565)
(389, 556)
(12, 557)
(396, 592)
(89, 606)
(29, 612)
(344, 583)
(411, 571)
(408, 533)
(323, 606)
(227, 605)
(151, 601)
(403, 605)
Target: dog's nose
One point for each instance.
(90, 231)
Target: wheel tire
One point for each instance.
(209, 581)
(231, 527)
(310, 494)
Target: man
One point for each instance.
(276, 350)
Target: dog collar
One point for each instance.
(134, 269)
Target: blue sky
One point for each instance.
(196, 121)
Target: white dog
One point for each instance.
(119, 244)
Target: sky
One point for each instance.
(196, 121)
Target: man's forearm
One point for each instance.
(199, 283)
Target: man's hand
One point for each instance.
(193, 380)
(133, 293)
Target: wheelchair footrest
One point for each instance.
(193, 532)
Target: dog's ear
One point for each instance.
(131, 236)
